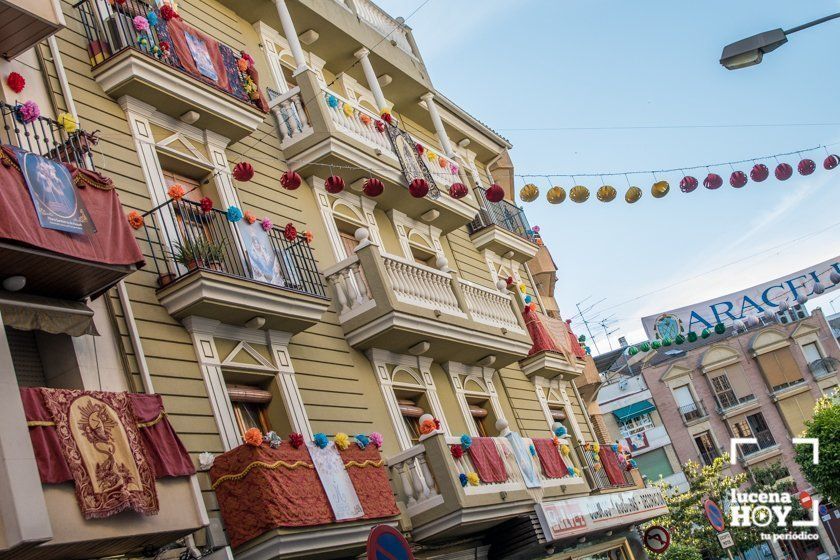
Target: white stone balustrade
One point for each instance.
(490, 307)
(350, 289)
(422, 285)
(413, 480)
(353, 126)
(379, 19)
(292, 121)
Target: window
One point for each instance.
(654, 464)
(688, 407)
(723, 392)
(707, 448)
(812, 352)
(779, 369)
(479, 414)
(753, 426)
(411, 414)
(250, 406)
(26, 358)
(635, 425)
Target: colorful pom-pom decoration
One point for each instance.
(68, 122)
(296, 440)
(27, 112)
(783, 171)
(253, 437)
(759, 172)
(679, 339)
(660, 189)
(560, 431)
(688, 184)
(738, 179)
(373, 187)
(334, 184)
(152, 18)
(720, 328)
(332, 101)
(692, 336)
(555, 195)
(831, 161)
(141, 24)
(565, 449)
(290, 232)
(249, 217)
(463, 479)
(272, 439)
(571, 470)
(579, 194)
(666, 341)
(342, 441)
(266, 224)
(633, 195)
(457, 451)
(290, 180)
(376, 439)
(167, 12)
(614, 447)
(596, 447)
(16, 82)
(656, 345)
(533, 450)
(234, 214)
(529, 193)
(418, 188)
(473, 479)
(457, 190)
(705, 333)
(176, 192)
(135, 219)
(348, 109)
(365, 118)
(321, 440)
(386, 116)
(243, 171)
(713, 181)
(380, 126)
(495, 193)
(606, 193)
(466, 441)
(206, 204)
(806, 166)
(420, 149)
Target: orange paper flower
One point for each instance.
(253, 437)
(242, 64)
(250, 218)
(308, 236)
(176, 192)
(135, 220)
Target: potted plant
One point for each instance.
(200, 253)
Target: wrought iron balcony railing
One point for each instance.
(692, 411)
(599, 472)
(824, 367)
(503, 214)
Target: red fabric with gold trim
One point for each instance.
(370, 481)
(551, 462)
(52, 467)
(609, 460)
(486, 459)
(539, 334)
(164, 448)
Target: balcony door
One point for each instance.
(723, 392)
(707, 447)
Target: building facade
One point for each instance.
(760, 382)
(310, 249)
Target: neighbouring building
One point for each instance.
(759, 380)
(269, 220)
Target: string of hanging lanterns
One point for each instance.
(579, 193)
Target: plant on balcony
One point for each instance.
(825, 425)
(200, 253)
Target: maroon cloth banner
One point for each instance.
(486, 459)
(551, 462)
(609, 461)
(539, 334)
(177, 32)
(260, 488)
(161, 444)
(113, 242)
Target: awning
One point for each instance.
(633, 410)
(27, 312)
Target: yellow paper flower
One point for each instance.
(564, 449)
(523, 288)
(431, 155)
(348, 109)
(473, 479)
(596, 448)
(342, 440)
(69, 123)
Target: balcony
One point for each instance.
(824, 367)
(207, 267)
(53, 263)
(692, 413)
(391, 303)
(426, 479)
(753, 453)
(146, 65)
(735, 405)
(502, 228)
(356, 143)
(27, 23)
(708, 456)
(603, 469)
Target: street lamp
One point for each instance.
(750, 51)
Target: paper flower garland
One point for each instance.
(457, 451)
(332, 101)
(806, 167)
(473, 479)
(234, 214)
(783, 171)
(373, 187)
(249, 217)
(713, 181)
(253, 437)
(386, 116)
(243, 171)
(67, 122)
(135, 220)
(272, 439)
(596, 447)
(342, 440)
(418, 188)
(289, 232)
(362, 441)
(152, 18)
(321, 440)
(16, 82)
(463, 479)
(759, 172)
(141, 24)
(831, 162)
(376, 439)
(565, 449)
(738, 179)
(495, 193)
(266, 224)
(428, 424)
(334, 184)
(290, 180)
(688, 184)
(206, 204)
(560, 431)
(555, 195)
(348, 109)
(167, 12)
(533, 450)
(380, 126)
(457, 190)
(176, 192)
(571, 470)
(579, 194)
(466, 442)
(27, 112)
(308, 236)
(295, 440)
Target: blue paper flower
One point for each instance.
(527, 299)
(466, 442)
(362, 440)
(533, 450)
(332, 101)
(234, 214)
(463, 478)
(321, 440)
(633, 463)
(614, 447)
(152, 18)
(571, 471)
(560, 431)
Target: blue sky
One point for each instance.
(538, 64)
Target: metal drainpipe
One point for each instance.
(122, 293)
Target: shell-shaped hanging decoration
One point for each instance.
(633, 195)
(529, 193)
(660, 189)
(579, 194)
(606, 193)
(555, 195)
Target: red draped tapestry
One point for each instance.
(539, 334)
(551, 462)
(178, 31)
(260, 488)
(485, 457)
(609, 461)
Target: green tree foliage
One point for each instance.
(825, 426)
(682, 552)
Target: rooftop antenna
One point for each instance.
(606, 323)
(582, 313)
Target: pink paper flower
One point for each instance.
(266, 224)
(141, 24)
(376, 439)
(28, 112)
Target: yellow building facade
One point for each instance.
(273, 299)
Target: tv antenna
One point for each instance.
(582, 314)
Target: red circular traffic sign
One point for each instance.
(714, 515)
(386, 543)
(805, 499)
(657, 539)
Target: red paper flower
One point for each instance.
(206, 204)
(806, 167)
(437, 424)
(243, 171)
(387, 118)
(253, 436)
(249, 217)
(759, 172)
(420, 148)
(296, 440)
(738, 179)
(509, 280)
(334, 184)
(495, 193)
(783, 171)
(373, 187)
(165, 47)
(16, 82)
(457, 190)
(831, 162)
(135, 220)
(713, 181)
(688, 184)
(289, 232)
(380, 126)
(418, 188)
(167, 12)
(290, 180)
(457, 451)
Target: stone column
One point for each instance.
(291, 35)
(373, 83)
(429, 98)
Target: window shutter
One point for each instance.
(26, 358)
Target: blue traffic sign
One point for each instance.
(386, 543)
(714, 515)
